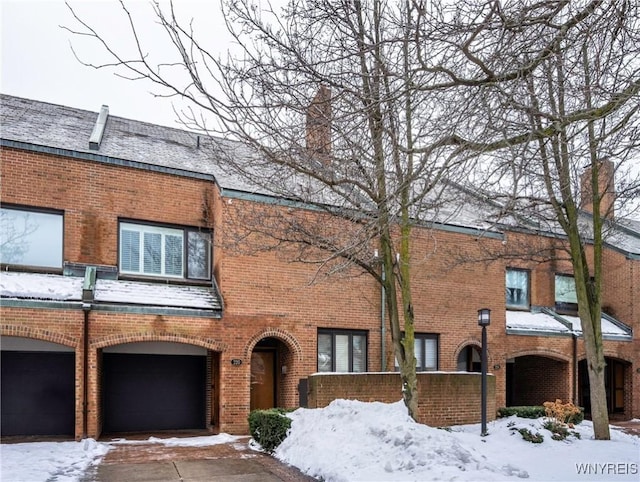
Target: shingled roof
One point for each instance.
(68, 130)
(63, 130)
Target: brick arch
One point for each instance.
(608, 354)
(39, 334)
(473, 342)
(465, 343)
(278, 333)
(120, 339)
(541, 352)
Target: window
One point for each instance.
(426, 349)
(31, 238)
(566, 298)
(342, 351)
(164, 251)
(517, 288)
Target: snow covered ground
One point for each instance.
(351, 441)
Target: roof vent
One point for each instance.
(98, 129)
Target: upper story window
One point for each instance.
(426, 347)
(31, 238)
(517, 288)
(153, 250)
(566, 297)
(342, 351)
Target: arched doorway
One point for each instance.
(615, 381)
(470, 359)
(271, 361)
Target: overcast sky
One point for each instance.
(37, 61)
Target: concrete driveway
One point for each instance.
(153, 462)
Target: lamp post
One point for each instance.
(484, 319)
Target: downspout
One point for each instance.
(575, 368)
(86, 308)
(88, 288)
(383, 324)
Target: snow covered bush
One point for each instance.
(269, 427)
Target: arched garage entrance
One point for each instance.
(535, 379)
(151, 386)
(37, 387)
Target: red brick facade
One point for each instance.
(267, 297)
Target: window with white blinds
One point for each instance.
(164, 251)
(426, 351)
(342, 351)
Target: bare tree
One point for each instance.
(363, 111)
(586, 93)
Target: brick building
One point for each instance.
(124, 310)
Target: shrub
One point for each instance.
(536, 438)
(530, 411)
(269, 427)
(559, 430)
(563, 413)
(537, 411)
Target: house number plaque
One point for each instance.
(236, 362)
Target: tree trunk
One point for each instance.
(410, 388)
(598, 393)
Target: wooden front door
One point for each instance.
(263, 380)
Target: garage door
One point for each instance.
(37, 393)
(148, 392)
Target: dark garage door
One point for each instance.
(37, 393)
(153, 392)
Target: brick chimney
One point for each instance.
(606, 189)
(319, 125)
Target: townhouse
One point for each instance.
(125, 308)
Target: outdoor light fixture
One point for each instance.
(484, 317)
(484, 320)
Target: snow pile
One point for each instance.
(59, 461)
(351, 441)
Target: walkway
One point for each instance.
(154, 462)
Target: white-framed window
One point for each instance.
(426, 347)
(342, 351)
(31, 238)
(565, 293)
(517, 288)
(163, 251)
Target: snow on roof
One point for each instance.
(141, 293)
(525, 320)
(51, 287)
(40, 286)
(550, 323)
(608, 328)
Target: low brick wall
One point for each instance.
(445, 398)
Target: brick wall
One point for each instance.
(538, 379)
(444, 398)
(266, 295)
